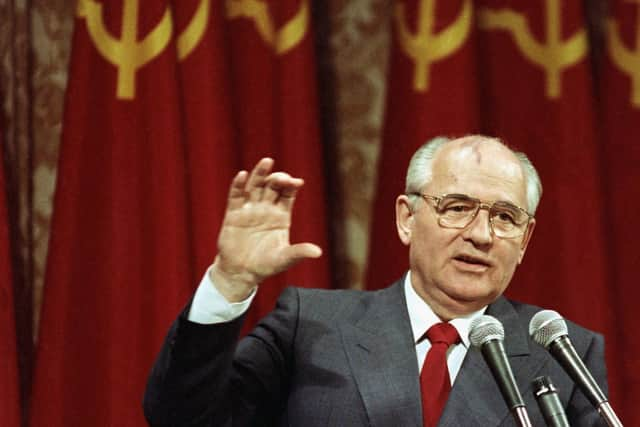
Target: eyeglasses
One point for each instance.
(507, 220)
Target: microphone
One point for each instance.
(549, 329)
(487, 334)
(549, 402)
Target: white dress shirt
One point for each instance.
(210, 306)
(422, 318)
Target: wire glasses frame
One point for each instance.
(506, 220)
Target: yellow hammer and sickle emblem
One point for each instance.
(626, 59)
(555, 55)
(281, 40)
(425, 47)
(128, 53)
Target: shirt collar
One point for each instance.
(422, 316)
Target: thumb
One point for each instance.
(300, 251)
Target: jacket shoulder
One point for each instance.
(338, 304)
(581, 336)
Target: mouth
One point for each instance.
(472, 262)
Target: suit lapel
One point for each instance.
(475, 398)
(381, 353)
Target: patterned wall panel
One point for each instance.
(51, 28)
(359, 40)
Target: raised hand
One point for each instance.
(254, 240)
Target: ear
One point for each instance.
(404, 219)
(526, 238)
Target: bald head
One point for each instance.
(486, 153)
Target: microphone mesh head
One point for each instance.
(546, 326)
(485, 328)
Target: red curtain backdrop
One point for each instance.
(166, 101)
(9, 391)
(523, 71)
(275, 112)
(619, 96)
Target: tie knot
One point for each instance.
(443, 333)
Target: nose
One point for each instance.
(479, 229)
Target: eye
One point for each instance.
(457, 207)
(506, 217)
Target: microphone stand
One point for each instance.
(522, 416)
(609, 416)
(549, 402)
(563, 350)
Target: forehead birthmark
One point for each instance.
(474, 146)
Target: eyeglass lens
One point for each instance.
(457, 211)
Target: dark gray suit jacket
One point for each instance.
(345, 358)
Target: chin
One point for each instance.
(472, 294)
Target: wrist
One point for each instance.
(234, 286)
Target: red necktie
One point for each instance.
(434, 377)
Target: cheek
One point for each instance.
(510, 257)
(425, 247)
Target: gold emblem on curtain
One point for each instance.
(128, 53)
(280, 40)
(628, 60)
(553, 55)
(425, 46)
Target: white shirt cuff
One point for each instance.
(210, 306)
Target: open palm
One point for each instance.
(253, 243)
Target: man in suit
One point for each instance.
(353, 358)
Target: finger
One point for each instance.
(288, 195)
(298, 252)
(257, 179)
(237, 195)
(271, 191)
(279, 182)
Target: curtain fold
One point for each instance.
(10, 398)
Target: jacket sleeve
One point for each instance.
(204, 377)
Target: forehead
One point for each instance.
(479, 168)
